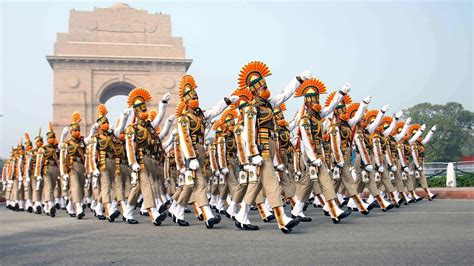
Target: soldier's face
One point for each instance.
(51, 141)
(193, 102)
(142, 112)
(105, 126)
(39, 144)
(76, 133)
(122, 136)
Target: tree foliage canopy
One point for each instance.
(454, 137)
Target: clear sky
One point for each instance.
(401, 53)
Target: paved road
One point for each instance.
(438, 232)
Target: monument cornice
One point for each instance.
(52, 59)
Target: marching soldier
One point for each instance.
(192, 122)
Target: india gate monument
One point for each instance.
(108, 52)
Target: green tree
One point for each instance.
(454, 137)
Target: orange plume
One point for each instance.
(138, 96)
(181, 108)
(386, 121)
(311, 87)
(101, 110)
(413, 129)
(371, 115)
(350, 111)
(186, 84)
(346, 99)
(75, 118)
(252, 71)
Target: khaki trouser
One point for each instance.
(231, 182)
(398, 178)
(371, 185)
(49, 182)
(76, 182)
(346, 180)
(268, 180)
(15, 193)
(423, 180)
(198, 189)
(119, 184)
(153, 174)
(385, 177)
(126, 174)
(172, 182)
(107, 174)
(323, 184)
(144, 187)
(27, 192)
(304, 187)
(287, 182)
(410, 182)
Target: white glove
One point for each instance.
(217, 173)
(174, 132)
(340, 164)
(367, 99)
(127, 112)
(171, 118)
(433, 128)
(398, 115)
(393, 168)
(257, 160)
(298, 173)
(66, 177)
(225, 171)
(408, 121)
(135, 167)
(369, 168)
(381, 168)
(28, 180)
(423, 127)
(193, 164)
(346, 88)
(96, 172)
(306, 75)
(385, 108)
(316, 162)
(280, 167)
(39, 178)
(182, 170)
(233, 98)
(166, 98)
(20, 178)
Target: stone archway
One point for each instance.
(109, 51)
(115, 89)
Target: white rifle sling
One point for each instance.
(39, 162)
(212, 159)
(364, 155)
(401, 155)
(377, 150)
(239, 141)
(307, 140)
(93, 155)
(250, 115)
(185, 141)
(336, 144)
(221, 152)
(130, 145)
